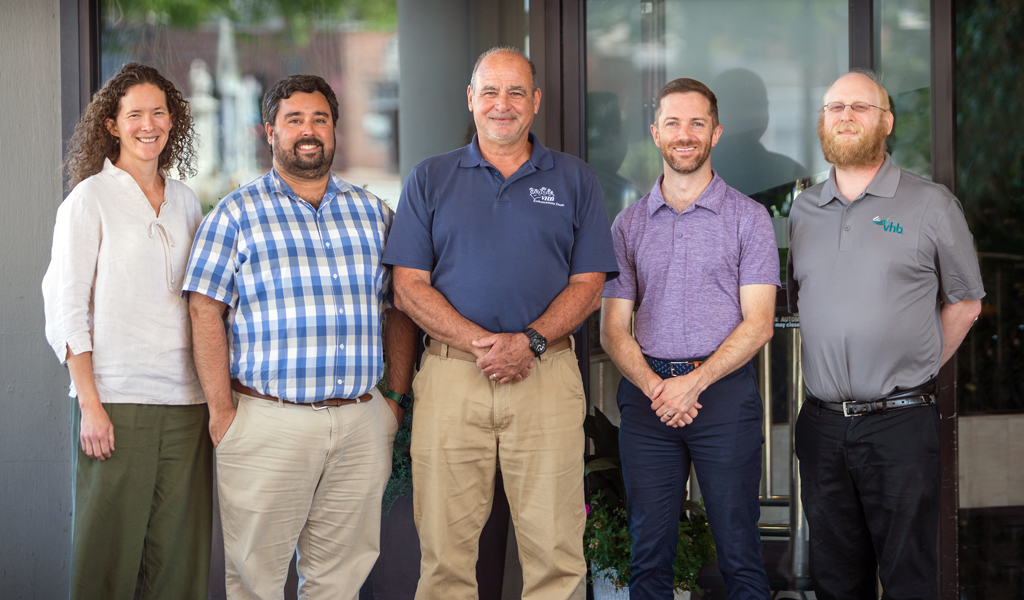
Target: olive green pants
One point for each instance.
(142, 517)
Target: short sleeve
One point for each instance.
(69, 279)
(759, 252)
(211, 266)
(625, 285)
(410, 241)
(592, 247)
(387, 286)
(956, 261)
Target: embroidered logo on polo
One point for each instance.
(544, 196)
(888, 225)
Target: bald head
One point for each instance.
(862, 82)
(508, 52)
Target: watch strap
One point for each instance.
(402, 400)
(538, 343)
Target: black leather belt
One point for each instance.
(923, 395)
(673, 368)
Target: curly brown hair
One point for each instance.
(92, 143)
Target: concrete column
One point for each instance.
(435, 61)
(35, 424)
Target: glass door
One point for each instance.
(769, 63)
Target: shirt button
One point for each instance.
(341, 346)
(847, 227)
(328, 244)
(341, 311)
(335, 275)
(849, 208)
(341, 381)
(679, 235)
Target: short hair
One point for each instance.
(873, 76)
(505, 50)
(92, 142)
(307, 84)
(685, 85)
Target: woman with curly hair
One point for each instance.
(115, 315)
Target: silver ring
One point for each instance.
(494, 375)
(670, 415)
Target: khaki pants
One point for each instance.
(465, 425)
(294, 479)
(143, 516)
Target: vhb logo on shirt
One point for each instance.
(888, 225)
(544, 196)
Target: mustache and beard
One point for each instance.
(312, 166)
(492, 130)
(684, 165)
(865, 150)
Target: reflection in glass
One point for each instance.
(906, 68)
(224, 55)
(741, 158)
(990, 363)
(768, 62)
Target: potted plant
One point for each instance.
(606, 540)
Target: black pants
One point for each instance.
(870, 488)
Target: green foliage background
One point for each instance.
(300, 16)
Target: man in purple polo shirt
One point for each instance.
(699, 261)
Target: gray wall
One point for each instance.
(35, 425)
(435, 61)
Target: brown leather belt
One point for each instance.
(241, 388)
(445, 351)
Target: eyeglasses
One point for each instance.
(858, 107)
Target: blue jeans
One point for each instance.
(724, 443)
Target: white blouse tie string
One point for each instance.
(168, 243)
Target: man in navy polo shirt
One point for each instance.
(699, 259)
(500, 250)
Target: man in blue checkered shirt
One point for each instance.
(289, 299)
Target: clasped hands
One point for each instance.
(674, 400)
(504, 357)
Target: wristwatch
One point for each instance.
(538, 343)
(402, 400)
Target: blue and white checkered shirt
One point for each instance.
(305, 288)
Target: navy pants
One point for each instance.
(870, 488)
(724, 443)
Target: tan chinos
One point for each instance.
(464, 426)
(294, 479)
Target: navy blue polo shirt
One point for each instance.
(501, 250)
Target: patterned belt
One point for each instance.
(673, 368)
(922, 395)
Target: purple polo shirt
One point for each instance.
(684, 270)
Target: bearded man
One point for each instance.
(289, 267)
(699, 261)
(883, 272)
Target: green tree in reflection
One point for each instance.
(300, 16)
(990, 182)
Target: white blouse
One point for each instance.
(113, 287)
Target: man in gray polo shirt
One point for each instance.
(700, 262)
(883, 273)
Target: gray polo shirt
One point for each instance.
(869, 277)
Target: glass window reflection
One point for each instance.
(223, 55)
